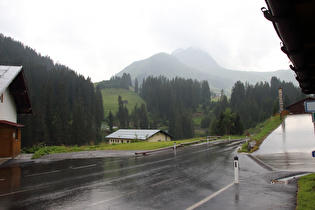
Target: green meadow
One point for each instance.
(110, 99)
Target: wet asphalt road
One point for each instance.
(290, 146)
(163, 180)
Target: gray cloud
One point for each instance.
(100, 38)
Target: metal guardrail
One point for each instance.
(184, 144)
(156, 150)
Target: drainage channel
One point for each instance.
(286, 180)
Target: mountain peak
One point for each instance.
(195, 64)
(196, 58)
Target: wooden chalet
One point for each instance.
(14, 100)
(298, 107)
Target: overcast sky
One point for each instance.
(99, 38)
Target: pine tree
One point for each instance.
(78, 123)
(99, 109)
(205, 91)
(111, 121)
(120, 113)
(221, 126)
(228, 121)
(187, 124)
(136, 117)
(136, 86)
(238, 126)
(49, 111)
(125, 117)
(144, 120)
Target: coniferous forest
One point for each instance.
(176, 101)
(69, 109)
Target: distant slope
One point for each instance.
(198, 59)
(161, 64)
(196, 64)
(110, 99)
(205, 63)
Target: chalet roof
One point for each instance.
(7, 75)
(135, 134)
(4, 122)
(12, 77)
(301, 101)
(294, 22)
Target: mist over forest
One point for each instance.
(69, 108)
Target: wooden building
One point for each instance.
(14, 100)
(130, 135)
(298, 107)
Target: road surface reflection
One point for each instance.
(290, 146)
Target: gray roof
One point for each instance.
(134, 134)
(13, 77)
(7, 75)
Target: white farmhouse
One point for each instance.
(130, 135)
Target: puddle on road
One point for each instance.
(290, 146)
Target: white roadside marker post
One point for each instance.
(175, 148)
(236, 170)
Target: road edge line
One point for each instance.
(209, 197)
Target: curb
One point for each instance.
(262, 164)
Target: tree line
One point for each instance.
(173, 102)
(67, 108)
(249, 105)
(137, 119)
(255, 103)
(123, 82)
(169, 105)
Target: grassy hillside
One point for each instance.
(261, 131)
(110, 99)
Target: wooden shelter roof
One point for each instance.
(294, 22)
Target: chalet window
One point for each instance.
(16, 135)
(1, 98)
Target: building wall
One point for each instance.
(8, 107)
(159, 137)
(118, 141)
(297, 108)
(16, 142)
(10, 141)
(155, 138)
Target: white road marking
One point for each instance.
(209, 197)
(110, 199)
(161, 182)
(87, 166)
(12, 193)
(44, 173)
